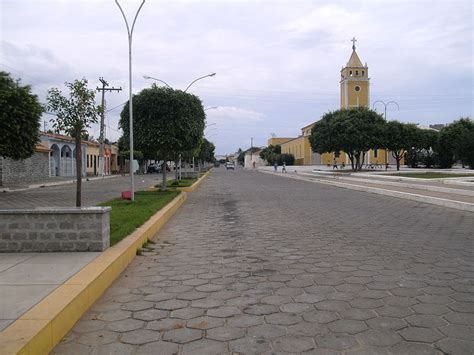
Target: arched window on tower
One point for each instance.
(350, 72)
(357, 72)
(363, 72)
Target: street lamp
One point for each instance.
(211, 108)
(385, 117)
(130, 34)
(211, 124)
(202, 77)
(212, 129)
(161, 81)
(192, 82)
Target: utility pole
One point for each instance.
(251, 152)
(104, 88)
(385, 117)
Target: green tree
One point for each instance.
(20, 113)
(271, 154)
(399, 138)
(456, 142)
(167, 123)
(353, 131)
(206, 151)
(74, 114)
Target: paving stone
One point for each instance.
(347, 326)
(320, 316)
(111, 316)
(72, 349)
(141, 336)
(366, 303)
(293, 344)
(456, 346)
(191, 296)
(97, 338)
(358, 314)
(241, 301)
(266, 331)
(425, 320)
(460, 318)
(125, 325)
(205, 347)
(376, 294)
(261, 309)
(308, 298)
(113, 348)
(276, 300)
(166, 324)
(171, 305)
(150, 314)
(282, 318)
(158, 348)
(458, 331)
(160, 296)
(223, 312)
(331, 305)
(306, 329)
(386, 323)
(182, 336)
(225, 333)
(207, 303)
(467, 307)
(428, 308)
(413, 348)
(245, 320)
(137, 306)
(379, 338)
(422, 335)
(394, 311)
(435, 299)
(205, 322)
(336, 341)
(250, 345)
(400, 301)
(187, 313)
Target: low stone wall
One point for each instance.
(30, 170)
(55, 229)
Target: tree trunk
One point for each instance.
(163, 183)
(398, 156)
(78, 170)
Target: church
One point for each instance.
(354, 92)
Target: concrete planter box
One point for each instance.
(55, 229)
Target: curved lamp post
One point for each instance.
(192, 82)
(385, 117)
(211, 108)
(130, 34)
(156, 79)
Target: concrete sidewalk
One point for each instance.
(26, 278)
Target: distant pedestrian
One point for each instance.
(283, 170)
(275, 167)
(334, 165)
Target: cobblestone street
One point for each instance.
(254, 263)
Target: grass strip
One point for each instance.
(126, 215)
(432, 175)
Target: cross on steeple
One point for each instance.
(353, 40)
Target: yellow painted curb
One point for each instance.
(42, 327)
(195, 185)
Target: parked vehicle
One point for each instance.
(153, 168)
(229, 165)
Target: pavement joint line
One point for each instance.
(42, 327)
(463, 206)
(403, 184)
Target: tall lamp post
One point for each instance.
(130, 34)
(385, 117)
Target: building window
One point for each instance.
(376, 152)
(87, 164)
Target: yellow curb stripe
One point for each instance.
(40, 329)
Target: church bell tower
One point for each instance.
(354, 82)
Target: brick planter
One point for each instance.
(55, 229)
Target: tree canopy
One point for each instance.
(20, 114)
(74, 114)
(206, 151)
(456, 142)
(354, 131)
(400, 137)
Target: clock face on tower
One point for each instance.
(357, 88)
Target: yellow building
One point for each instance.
(278, 140)
(354, 92)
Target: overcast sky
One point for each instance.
(277, 62)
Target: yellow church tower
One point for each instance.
(354, 82)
